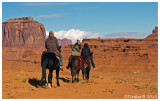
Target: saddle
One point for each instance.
(56, 53)
(70, 58)
(80, 58)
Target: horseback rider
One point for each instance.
(51, 44)
(76, 52)
(86, 52)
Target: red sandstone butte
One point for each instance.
(23, 32)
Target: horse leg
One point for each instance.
(77, 76)
(43, 79)
(88, 74)
(72, 78)
(83, 74)
(83, 69)
(73, 69)
(50, 78)
(57, 76)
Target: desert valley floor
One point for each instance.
(20, 81)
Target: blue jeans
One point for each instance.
(92, 62)
(60, 56)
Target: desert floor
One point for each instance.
(20, 81)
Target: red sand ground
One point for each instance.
(20, 77)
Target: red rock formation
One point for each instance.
(154, 34)
(123, 53)
(21, 37)
(64, 42)
(23, 32)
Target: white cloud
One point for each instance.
(50, 16)
(75, 34)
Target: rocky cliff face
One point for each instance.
(23, 32)
(138, 54)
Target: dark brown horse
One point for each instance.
(75, 67)
(86, 70)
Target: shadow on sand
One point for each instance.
(66, 80)
(34, 82)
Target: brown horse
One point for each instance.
(86, 70)
(75, 67)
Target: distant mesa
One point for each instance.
(126, 53)
(24, 32)
(21, 34)
(64, 42)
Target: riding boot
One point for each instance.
(61, 62)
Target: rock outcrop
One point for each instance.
(23, 32)
(64, 42)
(138, 54)
(123, 54)
(154, 35)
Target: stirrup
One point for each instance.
(85, 66)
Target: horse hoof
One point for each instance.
(58, 84)
(72, 81)
(77, 80)
(49, 85)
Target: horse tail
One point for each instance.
(73, 66)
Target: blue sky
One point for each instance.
(96, 17)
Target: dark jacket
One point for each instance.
(85, 50)
(51, 44)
